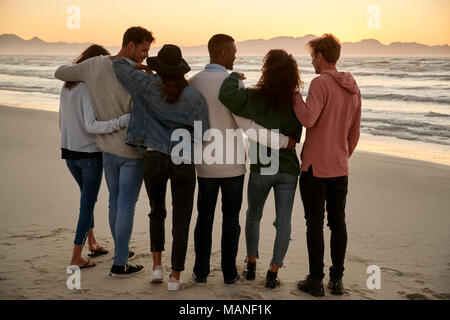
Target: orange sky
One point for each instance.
(193, 22)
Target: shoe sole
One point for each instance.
(313, 294)
(245, 274)
(334, 292)
(337, 293)
(157, 280)
(125, 275)
(199, 281)
(273, 287)
(175, 289)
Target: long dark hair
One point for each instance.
(280, 78)
(172, 86)
(92, 51)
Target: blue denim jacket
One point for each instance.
(152, 119)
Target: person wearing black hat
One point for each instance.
(162, 103)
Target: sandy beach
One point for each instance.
(397, 217)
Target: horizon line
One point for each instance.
(256, 39)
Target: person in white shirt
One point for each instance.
(79, 127)
(229, 178)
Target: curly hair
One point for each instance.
(280, 78)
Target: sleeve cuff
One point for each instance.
(235, 75)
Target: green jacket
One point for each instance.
(246, 103)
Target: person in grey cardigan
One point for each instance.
(79, 127)
(122, 164)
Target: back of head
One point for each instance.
(327, 45)
(90, 52)
(137, 35)
(172, 86)
(218, 43)
(280, 77)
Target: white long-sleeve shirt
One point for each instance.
(208, 82)
(78, 123)
(109, 99)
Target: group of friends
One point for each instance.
(118, 115)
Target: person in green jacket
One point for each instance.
(269, 104)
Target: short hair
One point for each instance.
(137, 35)
(328, 45)
(218, 43)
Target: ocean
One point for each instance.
(406, 100)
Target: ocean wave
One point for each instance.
(381, 88)
(437, 114)
(415, 132)
(408, 123)
(42, 74)
(404, 97)
(407, 136)
(407, 130)
(444, 77)
(55, 91)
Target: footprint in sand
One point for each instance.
(394, 271)
(35, 234)
(413, 296)
(442, 296)
(434, 294)
(247, 294)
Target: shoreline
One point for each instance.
(384, 145)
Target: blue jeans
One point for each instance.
(259, 186)
(124, 180)
(88, 174)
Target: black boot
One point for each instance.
(249, 273)
(336, 287)
(272, 280)
(312, 286)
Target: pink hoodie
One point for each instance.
(332, 116)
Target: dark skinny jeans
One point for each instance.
(318, 193)
(158, 169)
(208, 190)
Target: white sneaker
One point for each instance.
(174, 285)
(158, 275)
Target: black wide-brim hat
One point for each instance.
(169, 60)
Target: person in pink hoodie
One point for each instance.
(332, 117)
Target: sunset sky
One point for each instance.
(192, 22)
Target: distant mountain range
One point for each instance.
(13, 44)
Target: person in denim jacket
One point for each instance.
(162, 103)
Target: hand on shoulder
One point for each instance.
(143, 67)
